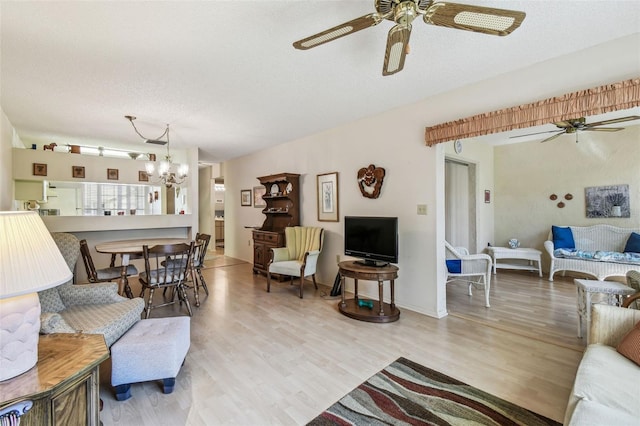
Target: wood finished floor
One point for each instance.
(259, 358)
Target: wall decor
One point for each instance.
(487, 196)
(568, 197)
(39, 169)
(370, 180)
(77, 172)
(258, 192)
(143, 176)
(112, 174)
(245, 197)
(327, 193)
(607, 201)
(561, 205)
(553, 197)
(50, 147)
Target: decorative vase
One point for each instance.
(514, 243)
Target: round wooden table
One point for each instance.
(379, 312)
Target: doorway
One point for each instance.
(460, 204)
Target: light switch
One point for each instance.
(422, 209)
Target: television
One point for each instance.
(372, 239)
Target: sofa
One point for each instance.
(86, 308)
(606, 390)
(599, 251)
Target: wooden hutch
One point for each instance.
(282, 197)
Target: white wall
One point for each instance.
(6, 169)
(527, 174)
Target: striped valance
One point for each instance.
(598, 100)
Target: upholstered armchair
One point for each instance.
(300, 256)
(633, 281)
(474, 269)
(87, 308)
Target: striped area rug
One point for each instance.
(408, 393)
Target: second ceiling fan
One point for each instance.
(575, 125)
(480, 19)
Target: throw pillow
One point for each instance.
(563, 238)
(629, 346)
(454, 266)
(633, 243)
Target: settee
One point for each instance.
(599, 251)
(605, 391)
(87, 308)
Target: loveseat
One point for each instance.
(606, 390)
(599, 251)
(86, 308)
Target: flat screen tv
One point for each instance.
(372, 239)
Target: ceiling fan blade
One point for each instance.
(614, 121)
(339, 31)
(538, 133)
(567, 124)
(396, 51)
(603, 129)
(480, 19)
(552, 137)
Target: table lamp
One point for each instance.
(30, 261)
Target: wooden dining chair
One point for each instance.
(196, 278)
(166, 267)
(112, 273)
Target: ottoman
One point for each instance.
(153, 349)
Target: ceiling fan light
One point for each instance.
(483, 20)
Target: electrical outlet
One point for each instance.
(422, 209)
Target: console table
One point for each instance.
(63, 387)
(613, 290)
(379, 311)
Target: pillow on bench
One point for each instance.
(562, 238)
(633, 243)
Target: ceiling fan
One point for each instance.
(453, 15)
(574, 125)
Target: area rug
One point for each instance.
(409, 393)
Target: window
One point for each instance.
(99, 198)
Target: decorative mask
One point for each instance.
(370, 180)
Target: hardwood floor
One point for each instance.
(261, 358)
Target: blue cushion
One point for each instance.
(454, 266)
(563, 238)
(633, 243)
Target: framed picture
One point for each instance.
(487, 196)
(77, 172)
(327, 188)
(143, 176)
(39, 169)
(258, 192)
(607, 201)
(245, 197)
(112, 174)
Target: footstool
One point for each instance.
(153, 349)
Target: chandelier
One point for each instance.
(168, 173)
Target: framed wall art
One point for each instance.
(487, 196)
(39, 169)
(607, 201)
(112, 174)
(258, 192)
(327, 192)
(245, 197)
(143, 176)
(77, 172)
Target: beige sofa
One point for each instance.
(606, 390)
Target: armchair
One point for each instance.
(466, 266)
(87, 308)
(633, 281)
(299, 257)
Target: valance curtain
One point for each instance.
(598, 100)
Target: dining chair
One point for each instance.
(166, 266)
(112, 273)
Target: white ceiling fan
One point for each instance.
(480, 19)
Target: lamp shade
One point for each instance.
(30, 260)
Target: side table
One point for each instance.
(613, 289)
(63, 387)
(379, 311)
(529, 254)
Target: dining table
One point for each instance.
(132, 249)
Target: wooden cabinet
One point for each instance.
(63, 387)
(282, 209)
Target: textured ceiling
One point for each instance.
(225, 76)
